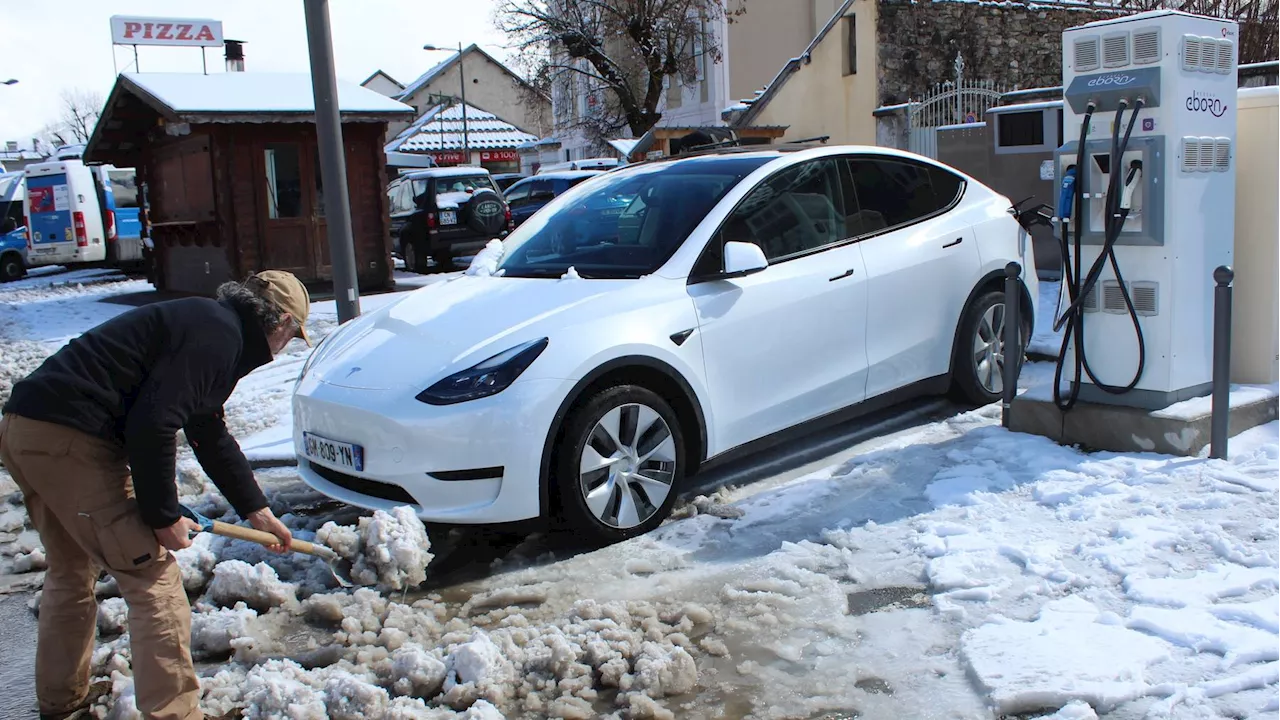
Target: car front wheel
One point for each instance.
(11, 267)
(980, 353)
(621, 464)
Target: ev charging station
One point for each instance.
(1147, 205)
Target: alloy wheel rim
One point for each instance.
(628, 466)
(988, 349)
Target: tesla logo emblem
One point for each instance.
(353, 371)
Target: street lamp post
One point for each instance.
(462, 73)
(10, 81)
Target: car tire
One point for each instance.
(978, 362)
(414, 259)
(11, 267)
(621, 493)
(444, 261)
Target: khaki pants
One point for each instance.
(80, 499)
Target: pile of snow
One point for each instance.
(258, 586)
(21, 358)
(389, 550)
(571, 274)
(486, 261)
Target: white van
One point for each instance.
(64, 216)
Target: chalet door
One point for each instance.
(288, 240)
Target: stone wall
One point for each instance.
(1010, 43)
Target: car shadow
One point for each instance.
(468, 553)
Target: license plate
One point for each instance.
(333, 452)
(448, 217)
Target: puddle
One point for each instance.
(894, 598)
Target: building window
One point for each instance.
(284, 181)
(675, 93)
(1020, 129)
(850, 44)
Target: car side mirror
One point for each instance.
(743, 258)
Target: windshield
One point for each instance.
(625, 224)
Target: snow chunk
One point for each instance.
(30, 562)
(1066, 654)
(1204, 587)
(350, 698)
(220, 631)
(113, 616)
(665, 670)
(389, 550)
(571, 274)
(486, 261)
(258, 585)
(1074, 710)
(417, 672)
(197, 562)
(478, 670)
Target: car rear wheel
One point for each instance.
(414, 260)
(980, 353)
(621, 466)
(11, 267)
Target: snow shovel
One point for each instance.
(340, 568)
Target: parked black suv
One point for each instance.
(442, 214)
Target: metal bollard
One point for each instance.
(1220, 420)
(1012, 338)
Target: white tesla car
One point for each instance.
(659, 317)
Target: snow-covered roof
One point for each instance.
(440, 129)
(624, 146)
(439, 69)
(254, 92)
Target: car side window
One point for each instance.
(796, 211)
(947, 186)
(517, 194)
(541, 191)
(891, 193)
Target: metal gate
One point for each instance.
(948, 103)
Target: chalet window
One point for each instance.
(284, 181)
(850, 45)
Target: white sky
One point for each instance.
(52, 46)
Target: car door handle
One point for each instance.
(954, 243)
(842, 276)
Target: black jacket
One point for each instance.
(137, 379)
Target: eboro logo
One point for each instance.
(1206, 102)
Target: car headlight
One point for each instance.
(486, 378)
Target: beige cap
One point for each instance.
(287, 292)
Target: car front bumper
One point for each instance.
(489, 451)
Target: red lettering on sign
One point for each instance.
(164, 29)
(205, 33)
(130, 29)
(146, 30)
(184, 32)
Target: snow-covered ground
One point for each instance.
(950, 570)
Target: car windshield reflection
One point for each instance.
(627, 224)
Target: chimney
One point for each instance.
(11, 146)
(235, 55)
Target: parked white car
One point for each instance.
(655, 319)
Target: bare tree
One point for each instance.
(76, 119)
(615, 57)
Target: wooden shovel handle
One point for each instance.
(240, 532)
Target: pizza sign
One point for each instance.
(165, 31)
